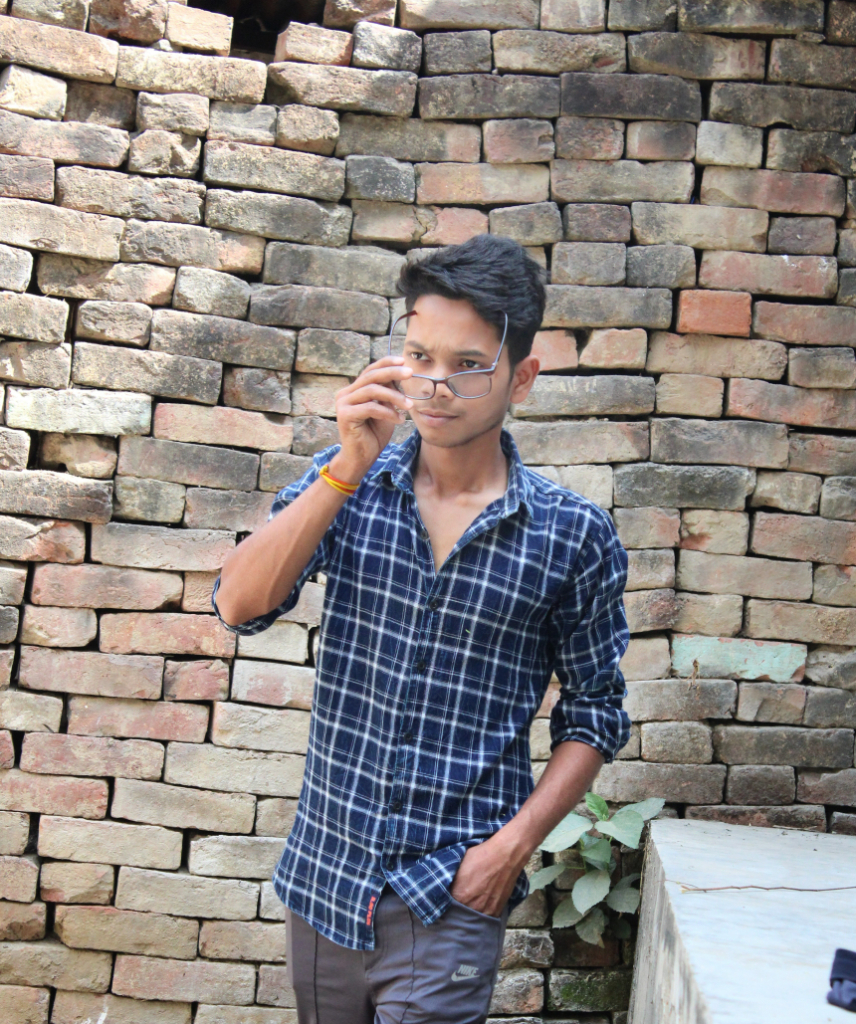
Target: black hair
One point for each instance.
(495, 275)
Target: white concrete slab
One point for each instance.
(742, 956)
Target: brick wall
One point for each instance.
(197, 250)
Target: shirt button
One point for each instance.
(424, 534)
(420, 666)
(395, 806)
(434, 604)
(406, 736)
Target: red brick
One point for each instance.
(53, 794)
(167, 633)
(704, 312)
(89, 755)
(806, 623)
(803, 407)
(805, 325)
(809, 276)
(41, 540)
(450, 225)
(102, 675)
(7, 749)
(196, 680)
(809, 538)
(775, 191)
(22, 1005)
(146, 977)
(223, 425)
(19, 877)
(272, 682)
(557, 350)
(101, 586)
(612, 348)
(154, 720)
(22, 922)
(482, 183)
(198, 587)
(76, 883)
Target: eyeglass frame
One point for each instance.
(458, 373)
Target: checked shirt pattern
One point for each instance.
(427, 683)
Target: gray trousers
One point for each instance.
(442, 974)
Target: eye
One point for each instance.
(470, 364)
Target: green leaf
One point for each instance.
(625, 901)
(566, 914)
(597, 805)
(646, 809)
(566, 833)
(598, 854)
(546, 875)
(626, 880)
(621, 928)
(625, 827)
(590, 929)
(590, 889)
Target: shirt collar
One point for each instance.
(397, 468)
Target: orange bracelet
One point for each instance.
(339, 485)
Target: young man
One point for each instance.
(457, 582)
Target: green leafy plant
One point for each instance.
(596, 902)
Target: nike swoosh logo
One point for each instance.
(470, 972)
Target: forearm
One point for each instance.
(262, 570)
(570, 772)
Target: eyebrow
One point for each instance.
(479, 353)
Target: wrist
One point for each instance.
(344, 469)
(516, 846)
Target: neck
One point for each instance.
(478, 465)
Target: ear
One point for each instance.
(524, 377)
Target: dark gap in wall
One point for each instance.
(259, 22)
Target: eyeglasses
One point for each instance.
(463, 384)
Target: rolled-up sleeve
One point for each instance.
(590, 634)
(317, 563)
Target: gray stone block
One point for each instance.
(456, 53)
(380, 178)
(661, 266)
(718, 487)
(360, 268)
(222, 339)
(125, 195)
(173, 112)
(273, 170)
(481, 97)
(199, 290)
(243, 122)
(379, 46)
(282, 217)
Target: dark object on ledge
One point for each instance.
(842, 978)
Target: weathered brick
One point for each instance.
(802, 236)
(274, 170)
(273, 683)
(200, 290)
(51, 963)
(14, 832)
(582, 306)
(374, 92)
(275, 817)
(235, 725)
(310, 129)
(708, 614)
(720, 312)
(621, 181)
(483, 97)
(811, 538)
(126, 931)
(200, 465)
(91, 673)
(646, 658)
(777, 191)
(167, 632)
(32, 316)
(810, 276)
(346, 13)
(180, 980)
(63, 141)
(53, 794)
(16, 268)
(650, 569)
(283, 641)
(677, 742)
(806, 623)
(793, 105)
(612, 348)
(117, 717)
(125, 322)
(680, 700)
(822, 368)
(238, 511)
(789, 745)
(8, 625)
(33, 539)
(23, 1004)
(223, 339)
(408, 139)
(807, 818)
(262, 390)
(691, 441)
(647, 527)
(24, 922)
(760, 784)
(804, 324)
(591, 222)
(834, 584)
(59, 50)
(197, 29)
(143, 21)
(556, 350)
(800, 406)
(660, 140)
(188, 244)
(58, 627)
(587, 138)
(101, 104)
(454, 53)
(110, 842)
(356, 268)
(766, 17)
(76, 883)
(196, 680)
(14, 448)
(124, 195)
(154, 501)
(234, 771)
(545, 52)
(704, 227)
(85, 755)
(810, 151)
(830, 708)
(821, 453)
(154, 373)
(581, 443)
(302, 306)
(381, 46)
(481, 183)
(588, 263)
(80, 454)
(650, 609)
(243, 122)
(425, 14)
(13, 579)
(838, 498)
(252, 940)
(222, 426)
(334, 352)
(792, 60)
(717, 487)
(736, 574)
(44, 493)
(27, 92)
(117, 282)
(588, 396)
(26, 177)
(153, 547)
(314, 45)
(19, 878)
(730, 145)
(624, 781)
(517, 989)
(178, 807)
(739, 659)
(791, 492)
(162, 152)
(218, 78)
(234, 856)
(518, 141)
(696, 56)
(631, 97)
(643, 15)
(832, 666)
(687, 394)
(177, 112)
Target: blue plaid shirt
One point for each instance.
(428, 681)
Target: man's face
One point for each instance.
(447, 336)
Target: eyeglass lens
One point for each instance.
(463, 384)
